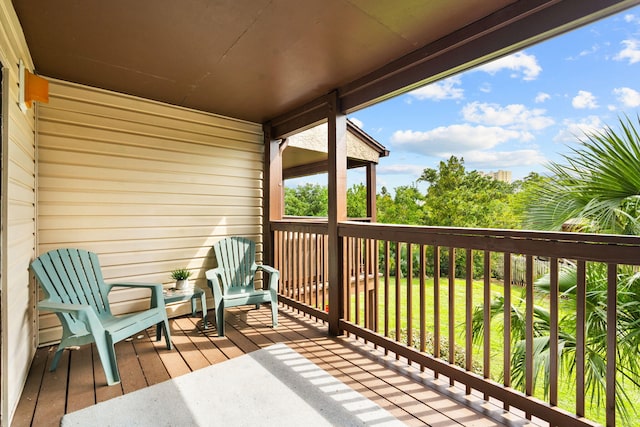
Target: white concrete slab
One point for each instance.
(274, 386)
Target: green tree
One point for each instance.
(306, 200)
(357, 201)
(312, 200)
(459, 198)
(525, 194)
(404, 207)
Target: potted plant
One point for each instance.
(181, 276)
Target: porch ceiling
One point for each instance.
(253, 60)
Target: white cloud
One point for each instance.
(541, 97)
(631, 51)
(584, 99)
(356, 122)
(438, 91)
(627, 96)
(513, 116)
(485, 88)
(575, 130)
(520, 63)
(591, 51)
(444, 141)
(631, 18)
(474, 143)
(503, 159)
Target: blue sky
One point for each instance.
(516, 113)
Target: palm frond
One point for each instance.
(598, 183)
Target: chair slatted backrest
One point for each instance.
(236, 256)
(72, 276)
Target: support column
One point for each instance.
(371, 192)
(337, 180)
(273, 191)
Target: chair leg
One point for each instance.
(56, 357)
(274, 313)
(107, 354)
(167, 333)
(219, 314)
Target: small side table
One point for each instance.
(177, 295)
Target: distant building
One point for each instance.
(504, 176)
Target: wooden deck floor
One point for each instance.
(79, 380)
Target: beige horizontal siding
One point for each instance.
(147, 186)
(18, 324)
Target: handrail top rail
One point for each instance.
(564, 236)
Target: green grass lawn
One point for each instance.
(566, 392)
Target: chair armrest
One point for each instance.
(214, 283)
(274, 275)
(83, 312)
(62, 307)
(157, 300)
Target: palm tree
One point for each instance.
(597, 190)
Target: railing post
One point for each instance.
(337, 180)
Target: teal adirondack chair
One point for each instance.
(76, 292)
(232, 282)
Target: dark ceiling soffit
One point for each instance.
(510, 29)
(302, 118)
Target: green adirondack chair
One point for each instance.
(76, 292)
(232, 282)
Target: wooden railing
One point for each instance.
(423, 310)
(300, 253)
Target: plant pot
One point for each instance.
(183, 284)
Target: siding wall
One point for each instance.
(148, 186)
(17, 243)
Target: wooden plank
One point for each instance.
(131, 374)
(172, 359)
(152, 367)
(205, 344)
(188, 351)
(238, 339)
(103, 391)
(53, 391)
(27, 405)
(81, 390)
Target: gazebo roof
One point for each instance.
(306, 152)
